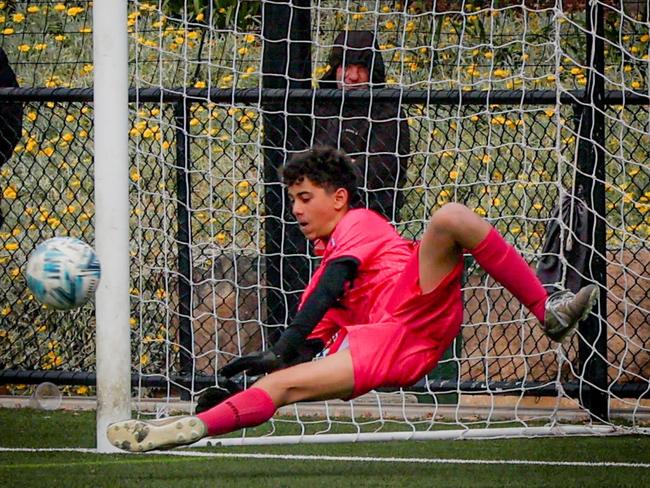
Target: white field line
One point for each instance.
(361, 459)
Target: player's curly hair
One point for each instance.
(326, 167)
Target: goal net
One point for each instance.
(493, 106)
(532, 113)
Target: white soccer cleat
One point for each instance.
(147, 435)
(565, 310)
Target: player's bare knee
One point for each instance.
(281, 387)
(449, 218)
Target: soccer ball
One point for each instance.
(63, 272)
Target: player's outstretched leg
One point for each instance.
(331, 377)
(454, 226)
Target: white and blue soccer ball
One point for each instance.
(63, 272)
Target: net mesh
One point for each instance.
(198, 188)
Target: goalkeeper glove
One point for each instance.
(214, 395)
(254, 364)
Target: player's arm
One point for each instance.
(292, 344)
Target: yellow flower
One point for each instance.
(14, 272)
(220, 237)
(40, 46)
(243, 188)
(8, 31)
(242, 51)
(59, 37)
(501, 73)
(135, 176)
(200, 84)
(5, 311)
(67, 137)
(59, 7)
(249, 38)
(160, 294)
(33, 9)
(82, 390)
(390, 25)
(18, 17)
(23, 48)
(53, 222)
(74, 11)
(9, 193)
(85, 30)
(48, 151)
(453, 174)
(144, 359)
(11, 246)
(200, 17)
(243, 210)
(87, 68)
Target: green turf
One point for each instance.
(28, 428)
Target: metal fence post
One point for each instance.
(286, 64)
(185, 336)
(591, 177)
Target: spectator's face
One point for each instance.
(352, 77)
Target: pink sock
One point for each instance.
(505, 265)
(245, 409)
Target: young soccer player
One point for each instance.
(398, 301)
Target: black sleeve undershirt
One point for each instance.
(328, 291)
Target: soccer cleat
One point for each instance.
(565, 310)
(141, 435)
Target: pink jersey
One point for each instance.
(382, 255)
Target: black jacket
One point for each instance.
(11, 114)
(374, 134)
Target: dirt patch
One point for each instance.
(512, 347)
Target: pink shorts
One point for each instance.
(412, 336)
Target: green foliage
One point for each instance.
(221, 14)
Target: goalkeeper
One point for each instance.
(399, 301)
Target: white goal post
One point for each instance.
(111, 122)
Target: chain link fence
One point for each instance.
(509, 161)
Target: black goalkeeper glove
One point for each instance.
(254, 364)
(214, 395)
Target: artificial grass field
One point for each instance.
(25, 428)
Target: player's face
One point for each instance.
(352, 77)
(316, 209)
